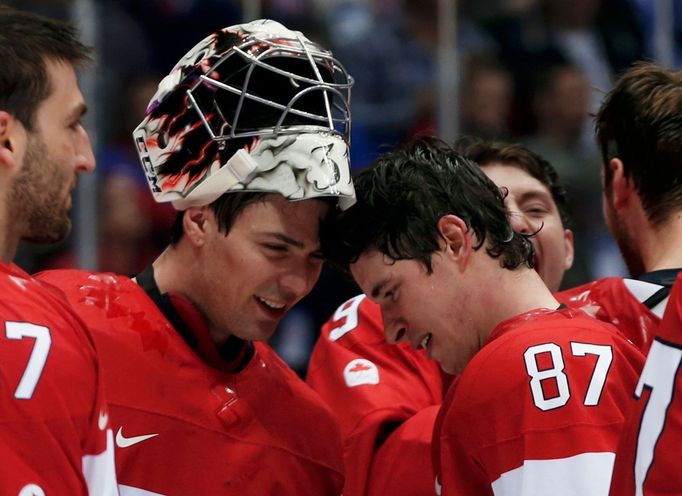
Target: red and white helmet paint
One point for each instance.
(253, 107)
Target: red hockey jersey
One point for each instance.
(539, 409)
(648, 462)
(635, 306)
(54, 423)
(184, 427)
(373, 388)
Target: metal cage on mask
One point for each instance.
(272, 122)
(337, 119)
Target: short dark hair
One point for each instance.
(640, 122)
(26, 42)
(226, 209)
(404, 193)
(514, 155)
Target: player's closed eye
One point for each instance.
(391, 294)
(535, 210)
(276, 248)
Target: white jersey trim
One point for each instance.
(100, 470)
(643, 290)
(587, 474)
(659, 309)
(135, 491)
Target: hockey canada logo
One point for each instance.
(359, 372)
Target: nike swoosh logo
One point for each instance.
(126, 442)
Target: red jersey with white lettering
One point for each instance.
(373, 387)
(648, 461)
(54, 428)
(185, 427)
(635, 306)
(539, 409)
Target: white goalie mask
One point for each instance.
(253, 107)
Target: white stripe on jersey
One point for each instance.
(587, 474)
(100, 470)
(659, 309)
(135, 491)
(643, 290)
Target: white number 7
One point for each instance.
(36, 362)
(601, 368)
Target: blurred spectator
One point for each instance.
(486, 95)
(561, 108)
(600, 37)
(560, 105)
(132, 226)
(390, 49)
(647, 15)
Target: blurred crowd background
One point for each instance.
(528, 71)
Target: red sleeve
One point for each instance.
(542, 403)
(371, 386)
(648, 459)
(54, 430)
(402, 465)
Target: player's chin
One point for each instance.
(448, 368)
(449, 363)
(263, 330)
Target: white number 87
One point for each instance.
(36, 362)
(556, 372)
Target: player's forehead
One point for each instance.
(298, 220)
(516, 179)
(65, 98)
(376, 272)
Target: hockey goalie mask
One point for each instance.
(253, 107)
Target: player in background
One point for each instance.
(639, 132)
(643, 206)
(648, 459)
(541, 393)
(248, 137)
(54, 430)
(386, 397)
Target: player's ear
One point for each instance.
(12, 141)
(194, 224)
(622, 187)
(456, 237)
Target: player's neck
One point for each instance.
(515, 292)
(662, 247)
(171, 270)
(9, 238)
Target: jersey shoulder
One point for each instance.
(357, 320)
(520, 346)
(107, 302)
(352, 345)
(670, 329)
(622, 302)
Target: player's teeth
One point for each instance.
(426, 340)
(272, 304)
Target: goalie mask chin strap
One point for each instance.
(230, 357)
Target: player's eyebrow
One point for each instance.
(536, 193)
(287, 239)
(78, 111)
